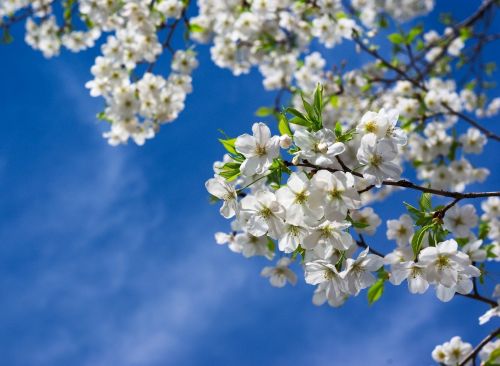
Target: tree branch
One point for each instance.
(440, 213)
(362, 243)
(418, 83)
(475, 295)
(400, 183)
(475, 351)
(481, 298)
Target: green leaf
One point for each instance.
(465, 33)
(270, 244)
(232, 166)
(470, 85)
(415, 31)
(296, 113)
(88, 22)
(462, 241)
(357, 224)
(383, 23)
(424, 220)
(347, 136)
(366, 87)
(308, 108)
(318, 99)
(340, 15)
(416, 163)
(489, 68)
(212, 199)
(101, 116)
(334, 101)
(196, 28)
(229, 145)
(483, 273)
(396, 38)
(6, 37)
(416, 241)
(284, 126)
(432, 239)
(68, 9)
(413, 211)
(375, 291)
(264, 111)
(446, 18)
(275, 176)
(338, 129)
(382, 274)
(230, 175)
(298, 251)
(440, 233)
(425, 202)
(230, 171)
(360, 225)
(484, 229)
(301, 122)
(453, 150)
(489, 251)
(493, 360)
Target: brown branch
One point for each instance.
(448, 38)
(475, 351)
(481, 298)
(472, 122)
(171, 30)
(400, 183)
(440, 213)
(407, 184)
(278, 98)
(362, 243)
(17, 18)
(420, 85)
(475, 295)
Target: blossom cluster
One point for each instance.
(456, 351)
(452, 353)
(312, 204)
(433, 147)
(137, 99)
(271, 35)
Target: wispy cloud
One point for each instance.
(113, 300)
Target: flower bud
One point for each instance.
(285, 141)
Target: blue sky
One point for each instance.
(107, 255)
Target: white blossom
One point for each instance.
(259, 149)
(280, 274)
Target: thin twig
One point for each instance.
(362, 243)
(402, 183)
(440, 213)
(480, 346)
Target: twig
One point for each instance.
(402, 183)
(478, 348)
(417, 83)
(481, 298)
(440, 213)
(362, 243)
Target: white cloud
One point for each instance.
(174, 318)
(114, 299)
(386, 335)
(82, 272)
